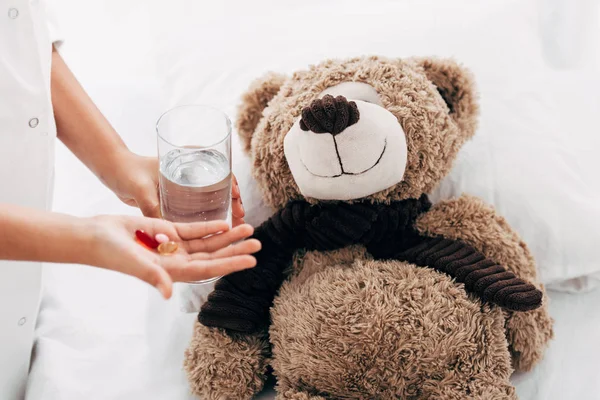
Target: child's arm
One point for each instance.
(85, 131)
(109, 242)
(32, 235)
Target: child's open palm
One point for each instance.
(205, 250)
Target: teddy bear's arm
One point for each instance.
(241, 301)
(469, 219)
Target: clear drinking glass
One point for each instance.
(194, 149)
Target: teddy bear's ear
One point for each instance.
(456, 86)
(254, 101)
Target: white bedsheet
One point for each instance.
(106, 336)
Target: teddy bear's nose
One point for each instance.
(329, 115)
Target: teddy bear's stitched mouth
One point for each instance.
(337, 153)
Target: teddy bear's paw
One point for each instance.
(528, 334)
(292, 394)
(221, 366)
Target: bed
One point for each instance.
(102, 335)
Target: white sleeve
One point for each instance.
(52, 21)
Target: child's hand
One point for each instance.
(137, 183)
(137, 186)
(113, 246)
(237, 208)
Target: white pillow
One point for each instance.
(531, 158)
(535, 160)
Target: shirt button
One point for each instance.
(33, 122)
(13, 13)
(22, 321)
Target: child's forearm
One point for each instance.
(33, 235)
(82, 127)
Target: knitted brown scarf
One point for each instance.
(241, 301)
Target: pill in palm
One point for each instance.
(167, 248)
(146, 239)
(161, 238)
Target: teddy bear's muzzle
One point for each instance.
(329, 115)
(341, 149)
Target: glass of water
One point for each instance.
(194, 149)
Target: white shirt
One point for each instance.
(27, 135)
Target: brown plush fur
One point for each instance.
(456, 88)
(294, 395)
(254, 101)
(471, 220)
(224, 367)
(346, 326)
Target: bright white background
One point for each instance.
(106, 336)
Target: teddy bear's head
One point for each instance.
(363, 128)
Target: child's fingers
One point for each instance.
(165, 284)
(235, 188)
(237, 221)
(249, 246)
(216, 242)
(198, 270)
(149, 206)
(198, 230)
(153, 274)
(237, 209)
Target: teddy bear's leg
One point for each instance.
(220, 366)
(469, 219)
(474, 390)
(292, 394)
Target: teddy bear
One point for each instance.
(363, 288)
